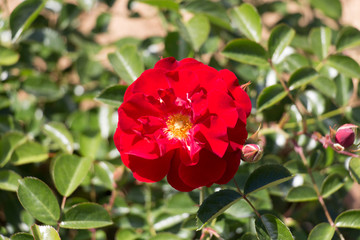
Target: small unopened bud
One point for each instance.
(345, 135)
(251, 153)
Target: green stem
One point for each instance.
(148, 204)
(202, 195)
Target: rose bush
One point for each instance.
(184, 120)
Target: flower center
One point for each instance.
(178, 126)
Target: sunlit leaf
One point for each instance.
(166, 4)
(44, 233)
(276, 229)
(331, 8)
(29, 152)
(8, 143)
(345, 65)
(113, 95)
(104, 175)
(325, 85)
(348, 37)
(60, 134)
(165, 236)
(280, 37)
(9, 180)
(198, 29)
(348, 219)
(301, 77)
(331, 184)
(301, 194)
(354, 168)
(270, 96)
(21, 236)
(320, 40)
(322, 231)
(8, 56)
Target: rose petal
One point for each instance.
(150, 82)
(237, 135)
(242, 100)
(169, 64)
(230, 78)
(232, 165)
(173, 177)
(223, 106)
(182, 82)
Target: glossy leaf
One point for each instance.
(320, 40)
(86, 216)
(68, 171)
(216, 204)
(127, 63)
(246, 51)
(165, 236)
(29, 152)
(301, 77)
(331, 8)
(104, 175)
(9, 180)
(266, 176)
(43, 87)
(176, 46)
(348, 37)
(247, 20)
(354, 168)
(8, 56)
(21, 236)
(113, 95)
(8, 143)
(38, 199)
(23, 15)
(322, 231)
(60, 134)
(331, 184)
(276, 229)
(301, 194)
(280, 37)
(167, 4)
(325, 85)
(348, 219)
(198, 29)
(270, 96)
(44, 233)
(345, 65)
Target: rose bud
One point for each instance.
(251, 153)
(345, 135)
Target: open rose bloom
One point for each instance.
(184, 120)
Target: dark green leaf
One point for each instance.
(9, 142)
(301, 77)
(276, 228)
(8, 56)
(38, 199)
(23, 15)
(331, 8)
(86, 216)
(348, 37)
(127, 63)
(68, 171)
(320, 40)
(246, 51)
(9, 180)
(249, 236)
(325, 86)
(266, 176)
(354, 168)
(280, 37)
(270, 96)
(60, 134)
(216, 204)
(345, 65)
(44, 233)
(198, 29)
(21, 236)
(348, 219)
(176, 46)
(322, 231)
(301, 194)
(29, 152)
(165, 236)
(167, 4)
(43, 87)
(331, 184)
(113, 95)
(48, 38)
(247, 20)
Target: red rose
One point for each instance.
(184, 120)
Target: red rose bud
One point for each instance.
(251, 153)
(345, 135)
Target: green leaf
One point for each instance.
(23, 15)
(43, 87)
(276, 228)
(68, 171)
(331, 8)
(301, 77)
(301, 194)
(9, 142)
(60, 134)
(89, 143)
(280, 37)
(44, 233)
(216, 204)
(104, 175)
(295, 61)
(21, 236)
(270, 96)
(8, 56)
(113, 95)
(266, 176)
(38, 199)
(322, 231)
(86, 216)
(246, 51)
(354, 168)
(29, 152)
(127, 63)
(167, 221)
(348, 37)
(9, 180)
(165, 236)
(198, 29)
(345, 65)
(325, 85)
(166, 4)
(331, 184)
(348, 219)
(176, 46)
(247, 20)
(320, 40)
(48, 38)
(249, 236)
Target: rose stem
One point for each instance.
(148, 209)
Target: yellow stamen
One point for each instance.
(178, 126)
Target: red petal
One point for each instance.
(182, 82)
(150, 82)
(173, 176)
(237, 135)
(221, 104)
(232, 165)
(242, 100)
(210, 79)
(169, 63)
(230, 78)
